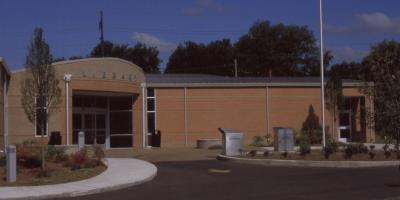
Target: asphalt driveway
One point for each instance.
(190, 180)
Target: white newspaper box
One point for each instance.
(232, 141)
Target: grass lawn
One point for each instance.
(59, 174)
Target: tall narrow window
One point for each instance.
(151, 113)
(41, 117)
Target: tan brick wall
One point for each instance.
(95, 75)
(241, 108)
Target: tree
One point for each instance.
(216, 57)
(311, 127)
(383, 63)
(287, 50)
(140, 54)
(334, 94)
(347, 70)
(40, 93)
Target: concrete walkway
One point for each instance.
(121, 173)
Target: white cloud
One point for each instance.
(376, 22)
(153, 41)
(202, 6)
(348, 54)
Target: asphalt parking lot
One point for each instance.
(191, 180)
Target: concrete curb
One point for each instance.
(307, 163)
(121, 173)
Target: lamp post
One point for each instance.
(322, 74)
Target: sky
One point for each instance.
(71, 26)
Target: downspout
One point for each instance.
(67, 79)
(5, 113)
(185, 116)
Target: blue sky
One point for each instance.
(71, 26)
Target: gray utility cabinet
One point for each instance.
(283, 139)
(11, 167)
(232, 141)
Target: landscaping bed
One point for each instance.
(59, 174)
(60, 167)
(316, 155)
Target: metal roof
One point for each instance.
(207, 80)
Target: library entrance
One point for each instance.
(105, 118)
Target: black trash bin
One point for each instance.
(55, 138)
(156, 139)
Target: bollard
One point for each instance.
(11, 164)
(81, 140)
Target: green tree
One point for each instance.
(383, 63)
(287, 50)
(334, 94)
(40, 93)
(140, 54)
(311, 127)
(216, 57)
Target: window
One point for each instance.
(151, 112)
(41, 117)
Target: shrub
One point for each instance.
(29, 154)
(2, 160)
(304, 145)
(79, 158)
(258, 141)
(98, 153)
(387, 154)
(371, 155)
(311, 127)
(57, 154)
(285, 154)
(328, 150)
(43, 173)
(348, 152)
(253, 153)
(266, 153)
(268, 140)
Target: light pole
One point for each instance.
(322, 74)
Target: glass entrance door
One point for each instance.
(93, 124)
(345, 126)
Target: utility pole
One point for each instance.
(101, 33)
(322, 74)
(236, 70)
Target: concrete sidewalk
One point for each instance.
(121, 173)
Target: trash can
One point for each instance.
(55, 138)
(156, 139)
(283, 139)
(232, 141)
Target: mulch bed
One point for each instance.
(318, 156)
(59, 174)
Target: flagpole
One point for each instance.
(322, 74)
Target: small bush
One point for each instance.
(98, 153)
(2, 161)
(387, 154)
(57, 154)
(29, 154)
(43, 173)
(305, 147)
(266, 153)
(348, 153)
(91, 163)
(258, 141)
(268, 140)
(253, 153)
(79, 158)
(385, 147)
(371, 155)
(285, 154)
